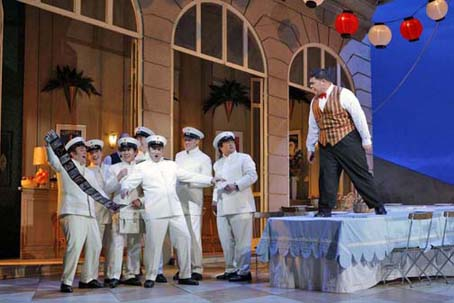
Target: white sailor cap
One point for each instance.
(128, 142)
(76, 140)
(156, 140)
(94, 144)
(192, 132)
(143, 131)
(223, 136)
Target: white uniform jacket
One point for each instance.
(103, 215)
(113, 187)
(72, 200)
(240, 169)
(191, 194)
(158, 180)
(141, 156)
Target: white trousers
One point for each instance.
(235, 233)
(80, 231)
(195, 229)
(105, 232)
(134, 248)
(180, 238)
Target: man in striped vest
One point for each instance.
(338, 123)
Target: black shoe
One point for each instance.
(132, 281)
(114, 283)
(160, 278)
(91, 284)
(196, 276)
(323, 214)
(176, 276)
(241, 278)
(148, 284)
(106, 281)
(188, 281)
(226, 276)
(66, 288)
(380, 210)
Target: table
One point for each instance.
(344, 253)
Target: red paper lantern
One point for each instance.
(411, 29)
(346, 24)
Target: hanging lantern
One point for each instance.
(313, 3)
(411, 29)
(437, 9)
(346, 24)
(379, 35)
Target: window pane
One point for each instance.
(297, 69)
(254, 54)
(331, 64)
(123, 14)
(256, 92)
(212, 30)
(256, 146)
(185, 33)
(313, 60)
(64, 4)
(95, 9)
(234, 39)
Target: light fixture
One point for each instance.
(346, 24)
(379, 35)
(437, 9)
(113, 139)
(313, 3)
(40, 159)
(411, 29)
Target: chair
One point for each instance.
(255, 240)
(447, 250)
(411, 253)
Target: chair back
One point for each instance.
(449, 216)
(420, 216)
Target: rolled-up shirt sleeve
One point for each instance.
(351, 104)
(313, 132)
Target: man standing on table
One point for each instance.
(103, 215)
(338, 123)
(158, 178)
(191, 194)
(234, 204)
(77, 216)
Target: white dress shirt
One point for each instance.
(191, 194)
(158, 180)
(350, 103)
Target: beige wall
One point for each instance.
(101, 54)
(282, 27)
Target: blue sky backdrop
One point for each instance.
(415, 128)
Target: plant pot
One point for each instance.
(228, 105)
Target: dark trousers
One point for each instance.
(348, 155)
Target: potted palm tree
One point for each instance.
(229, 94)
(71, 81)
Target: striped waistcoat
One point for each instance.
(334, 121)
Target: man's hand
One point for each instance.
(310, 157)
(124, 193)
(368, 148)
(215, 180)
(229, 188)
(121, 174)
(136, 203)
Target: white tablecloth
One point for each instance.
(344, 253)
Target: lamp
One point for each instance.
(411, 29)
(379, 35)
(113, 139)
(346, 24)
(437, 9)
(40, 158)
(313, 3)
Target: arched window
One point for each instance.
(313, 56)
(213, 31)
(117, 15)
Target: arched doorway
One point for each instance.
(303, 178)
(212, 42)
